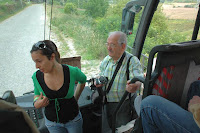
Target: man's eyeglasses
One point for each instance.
(40, 45)
(110, 45)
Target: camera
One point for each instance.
(101, 80)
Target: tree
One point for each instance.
(96, 8)
(70, 8)
(77, 3)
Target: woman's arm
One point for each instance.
(79, 90)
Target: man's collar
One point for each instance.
(111, 59)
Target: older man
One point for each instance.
(130, 67)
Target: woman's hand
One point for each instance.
(42, 101)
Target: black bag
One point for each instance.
(96, 97)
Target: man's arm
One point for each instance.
(135, 70)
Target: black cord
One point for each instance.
(51, 19)
(45, 19)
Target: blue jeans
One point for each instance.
(73, 126)
(161, 115)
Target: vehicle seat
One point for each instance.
(9, 97)
(177, 66)
(14, 119)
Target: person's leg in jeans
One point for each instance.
(54, 127)
(161, 115)
(76, 125)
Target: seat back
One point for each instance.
(14, 119)
(72, 61)
(177, 66)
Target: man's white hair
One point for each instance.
(122, 38)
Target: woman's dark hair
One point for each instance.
(48, 48)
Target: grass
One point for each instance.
(181, 25)
(80, 27)
(64, 47)
(89, 44)
(10, 8)
(3, 2)
(185, 27)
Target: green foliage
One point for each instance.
(70, 8)
(9, 8)
(118, 7)
(3, 2)
(165, 38)
(181, 25)
(78, 3)
(90, 32)
(190, 6)
(96, 8)
(159, 32)
(80, 28)
(182, 1)
(159, 23)
(105, 25)
(75, 2)
(56, 2)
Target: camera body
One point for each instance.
(101, 80)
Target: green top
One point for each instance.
(75, 75)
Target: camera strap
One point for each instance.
(115, 73)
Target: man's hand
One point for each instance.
(133, 87)
(194, 100)
(99, 85)
(42, 101)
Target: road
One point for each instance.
(17, 35)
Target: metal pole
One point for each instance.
(21, 3)
(196, 27)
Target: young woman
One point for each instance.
(54, 89)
